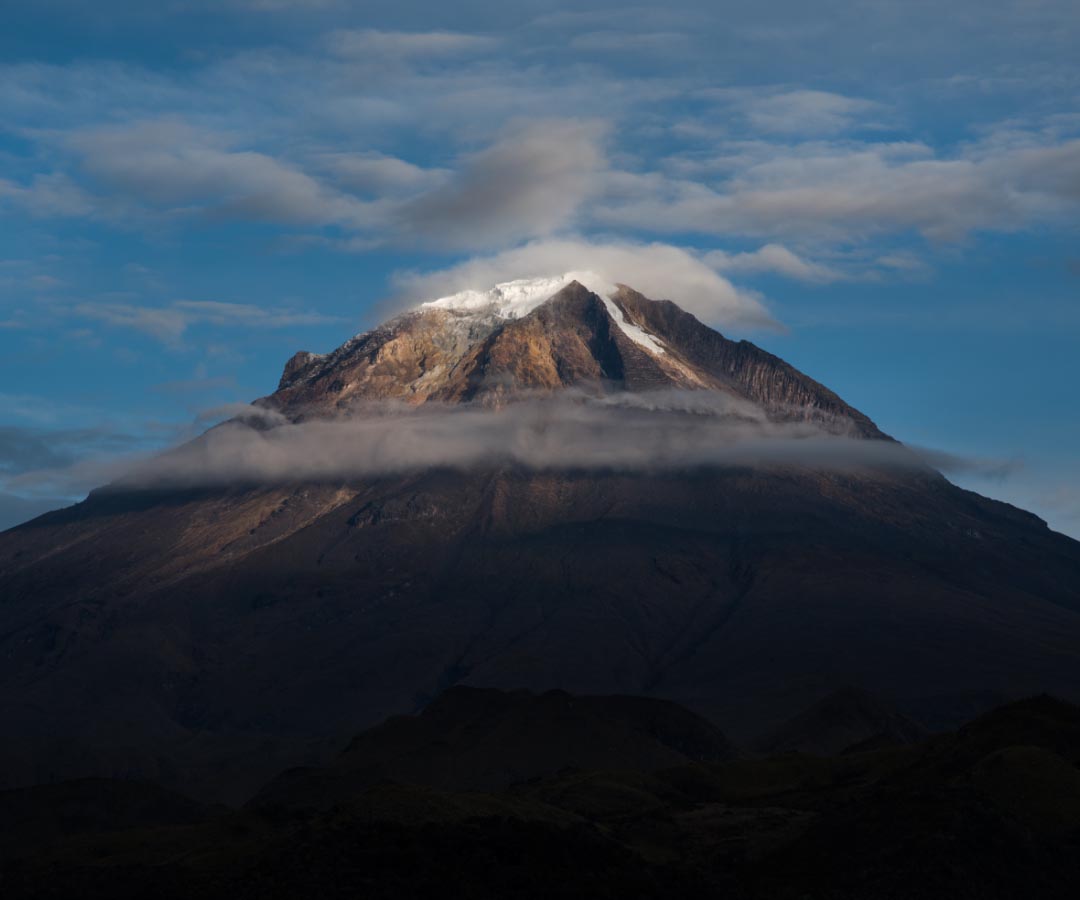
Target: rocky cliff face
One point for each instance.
(577, 338)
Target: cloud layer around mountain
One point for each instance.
(652, 432)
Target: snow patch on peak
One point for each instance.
(514, 299)
(637, 334)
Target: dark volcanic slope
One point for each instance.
(210, 638)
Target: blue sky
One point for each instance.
(886, 194)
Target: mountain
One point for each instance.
(524, 337)
(252, 600)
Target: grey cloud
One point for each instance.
(366, 43)
(169, 323)
(377, 173)
(774, 258)
(272, 167)
(651, 435)
(164, 324)
(537, 435)
(806, 112)
(23, 449)
(851, 192)
(174, 167)
(962, 465)
(529, 183)
(48, 195)
(657, 432)
(247, 413)
(659, 42)
(286, 5)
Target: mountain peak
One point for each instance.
(517, 298)
(528, 335)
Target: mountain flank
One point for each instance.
(208, 635)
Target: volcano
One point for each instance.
(205, 625)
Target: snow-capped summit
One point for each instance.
(514, 299)
(518, 298)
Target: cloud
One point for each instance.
(659, 271)
(546, 434)
(173, 167)
(49, 195)
(368, 42)
(669, 430)
(766, 162)
(661, 431)
(955, 464)
(247, 413)
(532, 180)
(845, 192)
(165, 324)
(773, 258)
(286, 5)
(377, 173)
(652, 42)
(805, 112)
(23, 449)
(529, 183)
(169, 323)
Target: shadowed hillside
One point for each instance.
(989, 811)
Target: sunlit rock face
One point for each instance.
(543, 335)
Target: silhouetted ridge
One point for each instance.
(483, 739)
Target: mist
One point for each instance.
(666, 431)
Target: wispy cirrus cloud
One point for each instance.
(807, 112)
(169, 323)
(179, 170)
(774, 258)
(857, 191)
(366, 43)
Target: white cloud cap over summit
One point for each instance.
(659, 271)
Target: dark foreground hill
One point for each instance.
(473, 739)
(206, 631)
(989, 811)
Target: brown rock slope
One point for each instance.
(208, 638)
